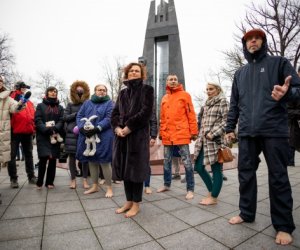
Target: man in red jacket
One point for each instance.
(23, 128)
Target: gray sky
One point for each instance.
(72, 37)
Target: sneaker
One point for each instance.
(14, 183)
(176, 177)
(32, 180)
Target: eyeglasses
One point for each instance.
(103, 90)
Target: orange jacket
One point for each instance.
(178, 121)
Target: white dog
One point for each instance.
(90, 142)
(55, 137)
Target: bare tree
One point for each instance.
(47, 79)
(112, 75)
(280, 19)
(7, 60)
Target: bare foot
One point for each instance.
(73, 184)
(50, 186)
(109, 192)
(236, 220)
(101, 182)
(39, 187)
(133, 210)
(85, 184)
(148, 190)
(93, 189)
(283, 238)
(208, 201)
(163, 189)
(125, 207)
(189, 195)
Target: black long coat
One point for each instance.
(48, 111)
(131, 153)
(294, 124)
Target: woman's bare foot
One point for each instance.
(148, 190)
(125, 207)
(208, 201)
(109, 192)
(93, 189)
(85, 184)
(283, 238)
(163, 189)
(189, 195)
(50, 186)
(73, 184)
(39, 187)
(236, 220)
(135, 208)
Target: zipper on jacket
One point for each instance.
(252, 96)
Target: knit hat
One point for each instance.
(50, 89)
(217, 85)
(253, 32)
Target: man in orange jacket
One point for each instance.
(178, 125)
(23, 128)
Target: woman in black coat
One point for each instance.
(48, 110)
(79, 92)
(130, 121)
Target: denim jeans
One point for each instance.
(187, 162)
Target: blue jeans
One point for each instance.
(184, 152)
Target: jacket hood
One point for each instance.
(171, 90)
(257, 55)
(4, 94)
(73, 94)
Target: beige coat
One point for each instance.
(7, 106)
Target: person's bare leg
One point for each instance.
(125, 207)
(283, 238)
(236, 220)
(109, 192)
(93, 189)
(135, 208)
(73, 184)
(85, 183)
(148, 190)
(163, 189)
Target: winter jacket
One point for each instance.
(133, 109)
(178, 121)
(23, 121)
(7, 106)
(213, 120)
(251, 104)
(70, 114)
(48, 111)
(104, 147)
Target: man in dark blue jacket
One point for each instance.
(260, 92)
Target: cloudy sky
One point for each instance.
(72, 38)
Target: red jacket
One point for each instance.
(178, 121)
(23, 121)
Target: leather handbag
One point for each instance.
(225, 155)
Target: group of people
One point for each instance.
(125, 130)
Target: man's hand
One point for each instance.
(194, 137)
(279, 91)
(126, 131)
(152, 142)
(229, 138)
(119, 132)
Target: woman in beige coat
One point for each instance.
(7, 106)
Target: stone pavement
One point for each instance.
(66, 219)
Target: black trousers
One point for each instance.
(133, 191)
(26, 142)
(51, 171)
(275, 151)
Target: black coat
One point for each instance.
(48, 111)
(133, 109)
(294, 124)
(70, 114)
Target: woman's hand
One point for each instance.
(209, 136)
(152, 142)
(119, 132)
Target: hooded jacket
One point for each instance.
(23, 121)
(251, 104)
(178, 121)
(70, 114)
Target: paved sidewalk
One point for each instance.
(66, 219)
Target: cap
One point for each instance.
(20, 85)
(252, 32)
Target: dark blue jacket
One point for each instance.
(251, 104)
(104, 148)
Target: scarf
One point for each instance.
(99, 99)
